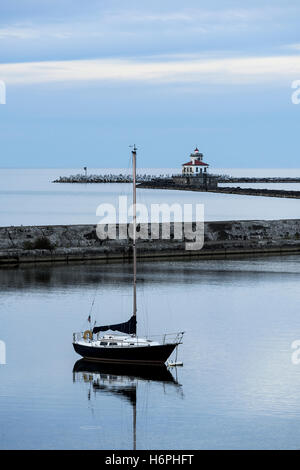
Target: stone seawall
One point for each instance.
(224, 190)
(259, 192)
(80, 243)
(253, 179)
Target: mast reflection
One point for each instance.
(121, 380)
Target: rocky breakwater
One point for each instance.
(80, 243)
(253, 179)
(211, 185)
(107, 178)
(259, 192)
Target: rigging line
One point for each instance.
(93, 302)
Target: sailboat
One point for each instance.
(126, 347)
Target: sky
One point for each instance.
(84, 80)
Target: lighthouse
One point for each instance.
(196, 165)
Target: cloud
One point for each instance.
(33, 32)
(146, 17)
(200, 15)
(294, 47)
(197, 70)
(19, 33)
(120, 21)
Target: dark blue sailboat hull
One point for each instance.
(141, 354)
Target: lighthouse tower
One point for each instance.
(196, 165)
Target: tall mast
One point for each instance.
(134, 227)
(134, 269)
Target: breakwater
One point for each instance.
(259, 192)
(67, 243)
(145, 178)
(109, 178)
(192, 186)
(123, 178)
(252, 179)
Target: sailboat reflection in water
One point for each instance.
(122, 380)
(126, 348)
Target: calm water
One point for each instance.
(27, 197)
(238, 387)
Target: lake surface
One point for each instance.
(238, 387)
(28, 197)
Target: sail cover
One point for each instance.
(128, 327)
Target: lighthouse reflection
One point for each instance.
(122, 380)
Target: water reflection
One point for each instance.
(122, 381)
(241, 389)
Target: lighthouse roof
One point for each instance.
(195, 163)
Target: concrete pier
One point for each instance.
(67, 243)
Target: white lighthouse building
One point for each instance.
(196, 166)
